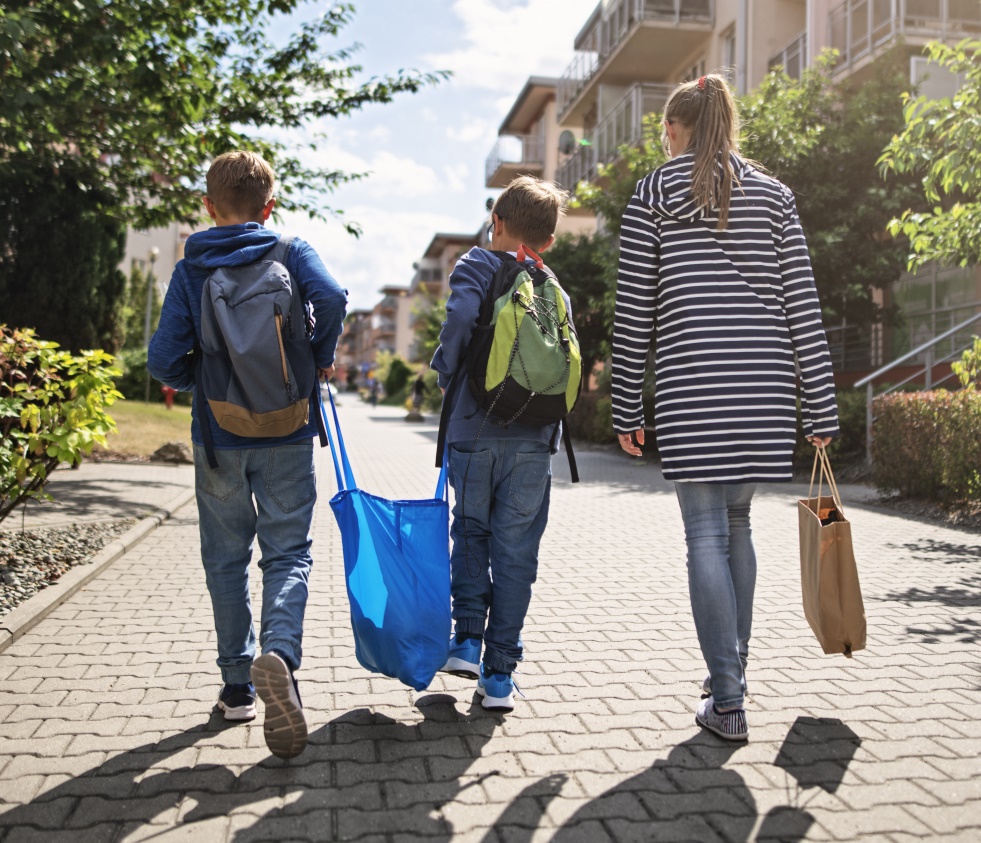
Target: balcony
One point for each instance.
(859, 28)
(628, 41)
(793, 57)
(514, 155)
(623, 125)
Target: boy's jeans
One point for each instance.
(721, 579)
(505, 494)
(282, 481)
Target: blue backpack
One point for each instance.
(256, 368)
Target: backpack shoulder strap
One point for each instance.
(280, 251)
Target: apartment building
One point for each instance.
(629, 55)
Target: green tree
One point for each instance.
(111, 112)
(430, 315)
(822, 138)
(586, 266)
(59, 253)
(134, 309)
(938, 143)
(136, 98)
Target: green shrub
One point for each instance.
(52, 410)
(849, 444)
(968, 368)
(397, 377)
(928, 445)
(132, 380)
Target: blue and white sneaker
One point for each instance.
(497, 689)
(464, 658)
(237, 701)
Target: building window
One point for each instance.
(697, 70)
(729, 53)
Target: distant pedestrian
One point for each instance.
(418, 393)
(715, 271)
(502, 473)
(263, 487)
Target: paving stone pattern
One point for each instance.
(106, 730)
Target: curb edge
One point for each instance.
(37, 607)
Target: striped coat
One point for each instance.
(728, 311)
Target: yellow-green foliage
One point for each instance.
(928, 444)
(968, 369)
(52, 410)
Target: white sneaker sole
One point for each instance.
(496, 703)
(284, 726)
(459, 667)
(242, 712)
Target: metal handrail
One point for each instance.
(927, 370)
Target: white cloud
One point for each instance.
(500, 48)
(393, 239)
(455, 177)
(472, 129)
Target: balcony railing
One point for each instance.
(623, 125)
(515, 149)
(859, 27)
(613, 27)
(793, 57)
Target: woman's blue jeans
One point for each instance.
(269, 493)
(721, 579)
(501, 498)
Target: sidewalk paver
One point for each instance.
(106, 730)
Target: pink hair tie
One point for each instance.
(701, 83)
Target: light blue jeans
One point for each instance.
(721, 579)
(269, 493)
(499, 514)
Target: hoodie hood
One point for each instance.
(229, 245)
(668, 189)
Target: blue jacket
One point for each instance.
(469, 283)
(170, 360)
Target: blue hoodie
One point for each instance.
(179, 333)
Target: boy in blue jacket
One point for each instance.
(278, 473)
(501, 476)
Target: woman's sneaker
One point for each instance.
(284, 726)
(730, 725)
(497, 689)
(464, 658)
(237, 701)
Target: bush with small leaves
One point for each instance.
(52, 410)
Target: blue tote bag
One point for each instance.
(397, 570)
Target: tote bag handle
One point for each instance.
(345, 481)
(821, 456)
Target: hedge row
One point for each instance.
(928, 445)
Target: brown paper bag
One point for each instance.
(829, 579)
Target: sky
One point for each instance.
(426, 151)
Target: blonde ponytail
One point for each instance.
(705, 107)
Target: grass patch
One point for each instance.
(145, 427)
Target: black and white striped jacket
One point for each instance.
(729, 311)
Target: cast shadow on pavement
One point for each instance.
(366, 774)
(966, 595)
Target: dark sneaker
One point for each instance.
(464, 658)
(284, 726)
(497, 689)
(730, 725)
(237, 701)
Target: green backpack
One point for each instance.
(523, 362)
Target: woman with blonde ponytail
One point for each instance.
(714, 271)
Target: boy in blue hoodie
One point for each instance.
(263, 487)
(501, 476)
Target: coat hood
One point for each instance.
(667, 191)
(229, 245)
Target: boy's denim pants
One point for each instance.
(721, 579)
(501, 496)
(269, 493)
